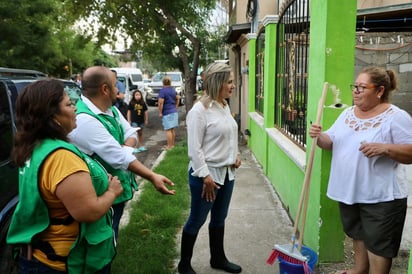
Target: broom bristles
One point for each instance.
(290, 254)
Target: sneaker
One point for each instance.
(142, 148)
(136, 150)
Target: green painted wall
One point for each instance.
(269, 70)
(410, 263)
(332, 59)
(257, 142)
(285, 176)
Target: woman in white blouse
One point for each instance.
(370, 141)
(214, 156)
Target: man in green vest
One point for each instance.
(103, 133)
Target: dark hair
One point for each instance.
(36, 105)
(134, 101)
(382, 77)
(93, 78)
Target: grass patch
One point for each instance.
(147, 245)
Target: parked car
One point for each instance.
(9, 89)
(13, 72)
(156, 85)
(146, 82)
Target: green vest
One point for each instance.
(113, 126)
(94, 247)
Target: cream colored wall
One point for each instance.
(241, 6)
(244, 92)
(265, 8)
(366, 4)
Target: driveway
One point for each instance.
(154, 137)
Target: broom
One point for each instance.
(289, 252)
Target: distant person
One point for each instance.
(212, 140)
(63, 221)
(168, 102)
(138, 116)
(199, 87)
(76, 78)
(120, 104)
(369, 142)
(104, 134)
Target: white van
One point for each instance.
(134, 79)
(135, 75)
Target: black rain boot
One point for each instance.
(218, 258)
(186, 252)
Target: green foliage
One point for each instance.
(172, 34)
(148, 244)
(39, 34)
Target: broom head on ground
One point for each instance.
(290, 254)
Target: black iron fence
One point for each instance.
(292, 70)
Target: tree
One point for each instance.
(39, 34)
(170, 33)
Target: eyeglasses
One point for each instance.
(361, 89)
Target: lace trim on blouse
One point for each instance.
(358, 124)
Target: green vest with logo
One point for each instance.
(113, 126)
(94, 247)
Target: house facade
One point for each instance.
(282, 54)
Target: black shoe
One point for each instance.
(226, 266)
(185, 268)
(218, 258)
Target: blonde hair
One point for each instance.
(215, 75)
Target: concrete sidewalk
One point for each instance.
(256, 221)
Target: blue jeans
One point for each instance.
(200, 208)
(35, 267)
(117, 215)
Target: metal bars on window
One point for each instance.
(292, 70)
(260, 58)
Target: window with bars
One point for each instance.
(260, 58)
(292, 70)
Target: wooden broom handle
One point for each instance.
(304, 195)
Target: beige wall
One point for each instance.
(265, 8)
(366, 4)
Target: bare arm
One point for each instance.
(146, 117)
(158, 181)
(129, 116)
(79, 197)
(401, 153)
(324, 140)
(160, 103)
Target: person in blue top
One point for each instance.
(120, 104)
(168, 102)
